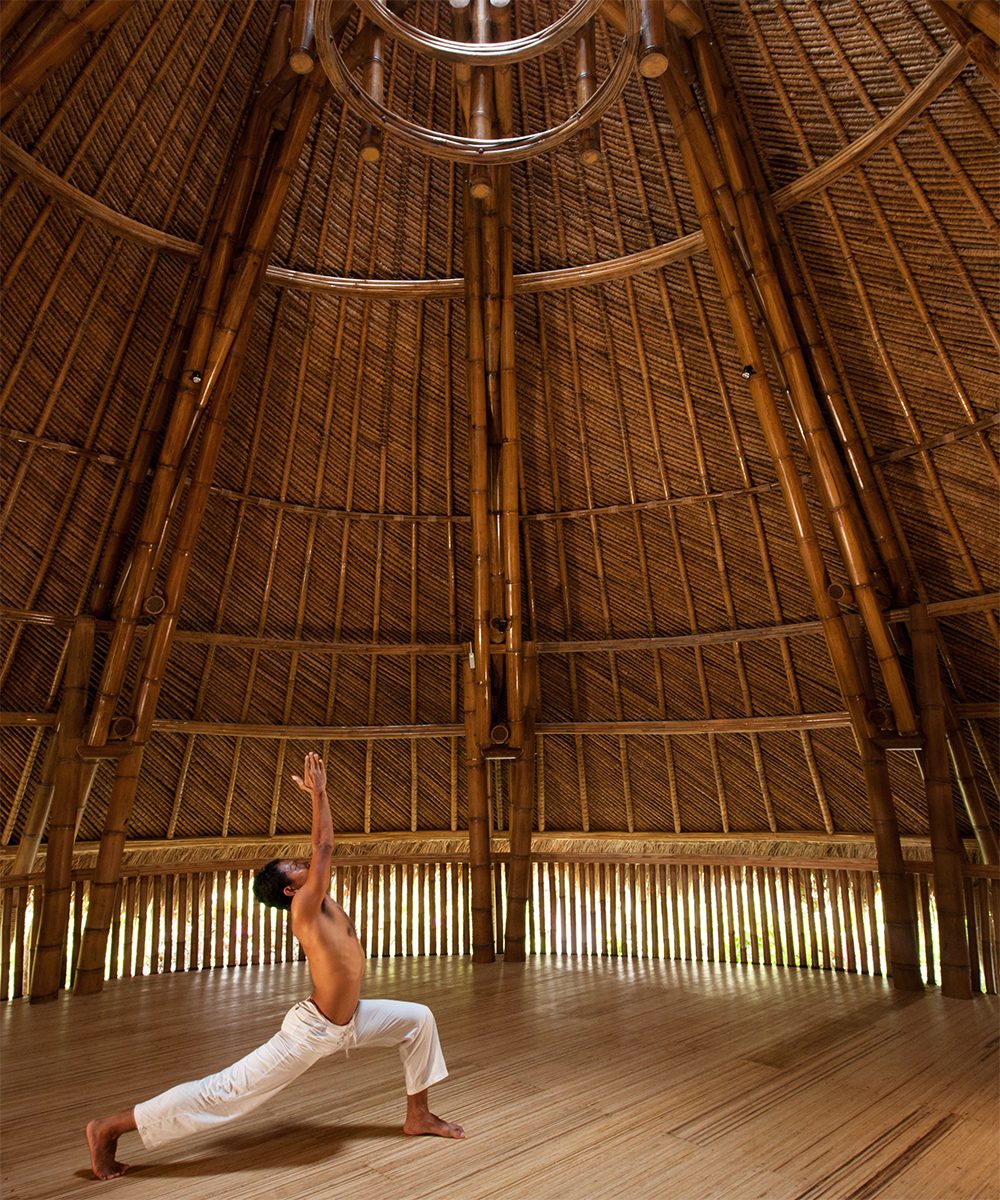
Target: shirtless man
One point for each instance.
(334, 1018)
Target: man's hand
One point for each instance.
(314, 771)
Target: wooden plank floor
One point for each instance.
(577, 1079)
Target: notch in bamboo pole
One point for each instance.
(53, 923)
(946, 848)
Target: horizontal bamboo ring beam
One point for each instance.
(824, 176)
(476, 54)
(437, 143)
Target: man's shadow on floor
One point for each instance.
(289, 1145)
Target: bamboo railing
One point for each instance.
(821, 914)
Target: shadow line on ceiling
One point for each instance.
(824, 176)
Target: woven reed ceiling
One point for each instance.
(339, 510)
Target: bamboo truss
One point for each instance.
(620, 517)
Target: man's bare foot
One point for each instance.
(426, 1123)
(102, 1138)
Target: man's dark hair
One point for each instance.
(269, 885)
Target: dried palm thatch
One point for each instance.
(684, 430)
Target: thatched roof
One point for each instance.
(330, 595)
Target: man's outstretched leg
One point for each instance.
(102, 1138)
(412, 1028)
(420, 1119)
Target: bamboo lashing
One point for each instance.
(25, 75)
(946, 849)
(53, 923)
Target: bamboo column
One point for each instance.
(522, 781)
(259, 239)
(25, 75)
(479, 829)
(827, 470)
(54, 921)
(946, 848)
(898, 895)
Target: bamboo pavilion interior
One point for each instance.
(575, 419)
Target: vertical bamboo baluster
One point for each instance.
(973, 939)
(946, 848)
(590, 875)
(627, 899)
(652, 901)
(140, 937)
(168, 922)
(19, 983)
(715, 915)
(993, 904)
(180, 948)
(788, 929)
(547, 895)
(775, 919)
(668, 911)
(857, 883)
(811, 902)
(219, 919)
(499, 892)
(697, 883)
(129, 905)
(397, 934)
(982, 902)
(256, 932)
(246, 916)
(842, 880)
(455, 945)
(232, 893)
(374, 944)
(195, 962)
(26, 73)
(587, 924)
(930, 952)
(684, 888)
(111, 965)
(834, 947)
(53, 923)
(157, 915)
(819, 905)
(79, 891)
(869, 882)
(466, 909)
(741, 915)
(267, 950)
(752, 932)
(8, 904)
(208, 902)
(385, 888)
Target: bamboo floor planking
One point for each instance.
(576, 1079)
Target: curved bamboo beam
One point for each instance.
(584, 275)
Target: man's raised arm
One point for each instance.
(314, 782)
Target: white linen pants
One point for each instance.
(305, 1037)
